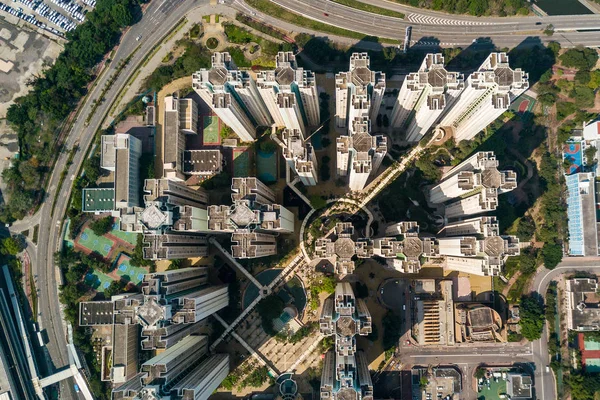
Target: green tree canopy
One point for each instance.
(532, 318)
(102, 226)
(552, 254)
(580, 58)
(12, 246)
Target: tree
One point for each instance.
(115, 287)
(549, 31)
(175, 264)
(92, 168)
(579, 58)
(12, 246)
(552, 254)
(317, 201)
(525, 228)
(102, 226)
(479, 373)
(590, 155)
(532, 318)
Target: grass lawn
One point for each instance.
(369, 8)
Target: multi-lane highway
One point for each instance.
(432, 28)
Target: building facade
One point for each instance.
(290, 85)
(345, 369)
(488, 93)
(233, 95)
(424, 96)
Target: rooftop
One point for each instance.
(98, 199)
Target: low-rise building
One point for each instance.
(583, 304)
(519, 386)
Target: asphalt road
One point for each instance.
(162, 15)
(448, 30)
(545, 382)
(159, 18)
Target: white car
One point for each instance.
(138, 38)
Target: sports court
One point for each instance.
(98, 244)
(210, 130)
(523, 104)
(266, 165)
(127, 271)
(590, 353)
(128, 237)
(241, 162)
(573, 152)
(98, 280)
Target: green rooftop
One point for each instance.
(98, 199)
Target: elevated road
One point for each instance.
(445, 29)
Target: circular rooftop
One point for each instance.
(346, 326)
(344, 247)
(494, 246)
(347, 393)
(413, 247)
(491, 178)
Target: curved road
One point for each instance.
(162, 15)
(545, 382)
(158, 19)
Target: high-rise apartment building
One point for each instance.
(172, 306)
(252, 219)
(300, 156)
(184, 371)
(359, 154)
(232, 95)
(247, 244)
(488, 92)
(345, 370)
(173, 141)
(476, 182)
(358, 92)
(424, 96)
(287, 81)
(121, 154)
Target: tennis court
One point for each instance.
(523, 104)
(98, 244)
(266, 165)
(573, 152)
(210, 130)
(127, 271)
(241, 162)
(128, 237)
(98, 280)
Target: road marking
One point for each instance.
(429, 20)
(470, 355)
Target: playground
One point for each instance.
(573, 152)
(211, 128)
(266, 165)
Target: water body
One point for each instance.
(563, 7)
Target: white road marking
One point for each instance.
(429, 20)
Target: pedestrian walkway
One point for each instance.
(254, 354)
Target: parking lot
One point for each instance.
(56, 16)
